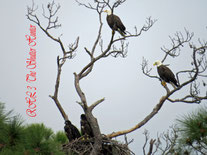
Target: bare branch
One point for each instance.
(164, 143)
(193, 96)
(144, 121)
(88, 68)
(176, 42)
(189, 99)
(111, 49)
(122, 51)
(99, 31)
(88, 52)
(149, 23)
(162, 100)
(152, 141)
(96, 103)
(199, 67)
(100, 5)
(60, 63)
(117, 3)
(52, 23)
(146, 134)
(81, 104)
(79, 91)
(146, 70)
(30, 14)
(126, 140)
(55, 96)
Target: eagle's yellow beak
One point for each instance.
(155, 64)
(105, 11)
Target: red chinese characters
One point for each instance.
(31, 76)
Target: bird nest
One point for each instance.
(82, 146)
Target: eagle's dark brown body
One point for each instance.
(166, 74)
(115, 23)
(85, 127)
(71, 131)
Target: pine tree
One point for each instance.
(193, 130)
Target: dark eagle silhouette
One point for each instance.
(115, 22)
(71, 131)
(165, 73)
(85, 126)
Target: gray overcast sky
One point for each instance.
(129, 95)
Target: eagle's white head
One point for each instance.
(108, 12)
(157, 63)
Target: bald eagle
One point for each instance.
(71, 131)
(85, 127)
(166, 74)
(115, 23)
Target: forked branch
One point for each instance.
(52, 19)
(143, 122)
(192, 94)
(177, 42)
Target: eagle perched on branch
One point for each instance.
(115, 23)
(166, 74)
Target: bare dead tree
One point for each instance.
(112, 50)
(165, 143)
(50, 14)
(199, 66)
(152, 141)
(199, 63)
(52, 18)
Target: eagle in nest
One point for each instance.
(85, 126)
(71, 131)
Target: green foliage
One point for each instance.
(194, 126)
(60, 137)
(187, 137)
(9, 151)
(31, 139)
(37, 134)
(13, 131)
(39, 139)
(193, 131)
(4, 118)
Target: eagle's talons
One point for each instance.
(113, 32)
(163, 83)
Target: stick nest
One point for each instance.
(83, 146)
